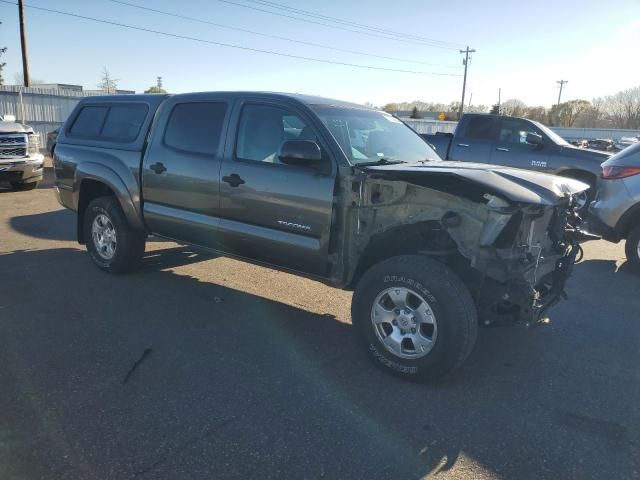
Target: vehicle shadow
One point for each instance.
(54, 225)
(47, 182)
(160, 373)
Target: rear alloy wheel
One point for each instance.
(632, 247)
(415, 317)
(112, 244)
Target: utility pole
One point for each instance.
(499, 95)
(470, 98)
(561, 83)
(23, 43)
(465, 62)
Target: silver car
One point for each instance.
(615, 212)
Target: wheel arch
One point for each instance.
(628, 220)
(95, 180)
(426, 238)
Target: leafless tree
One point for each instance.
(108, 84)
(537, 114)
(513, 107)
(566, 113)
(624, 108)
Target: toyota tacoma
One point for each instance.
(329, 190)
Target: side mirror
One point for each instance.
(300, 152)
(534, 139)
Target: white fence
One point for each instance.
(42, 108)
(593, 133)
(433, 126)
(430, 126)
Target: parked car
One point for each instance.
(615, 213)
(52, 138)
(522, 143)
(603, 145)
(21, 163)
(579, 143)
(283, 180)
(625, 142)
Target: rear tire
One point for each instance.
(632, 247)
(23, 187)
(112, 244)
(426, 352)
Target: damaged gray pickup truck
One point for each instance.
(333, 191)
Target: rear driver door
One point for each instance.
(476, 141)
(180, 185)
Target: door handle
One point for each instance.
(463, 145)
(502, 149)
(158, 167)
(234, 180)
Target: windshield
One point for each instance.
(555, 138)
(367, 136)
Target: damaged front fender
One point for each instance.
(514, 256)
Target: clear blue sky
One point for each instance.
(523, 47)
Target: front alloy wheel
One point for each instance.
(404, 322)
(414, 317)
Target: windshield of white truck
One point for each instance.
(368, 136)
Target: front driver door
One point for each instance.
(512, 149)
(273, 212)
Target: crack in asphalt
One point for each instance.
(137, 363)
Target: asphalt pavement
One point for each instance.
(197, 367)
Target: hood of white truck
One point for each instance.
(517, 185)
(13, 127)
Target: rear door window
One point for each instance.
(89, 121)
(123, 122)
(195, 127)
(482, 128)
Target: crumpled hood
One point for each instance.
(517, 185)
(13, 127)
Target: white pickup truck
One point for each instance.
(21, 163)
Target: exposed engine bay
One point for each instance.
(511, 235)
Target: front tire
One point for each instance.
(414, 317)
(112, 244)
(632, 247)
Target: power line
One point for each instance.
(312, 44)
(230, 45)
(308, 13)
(371, 34)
